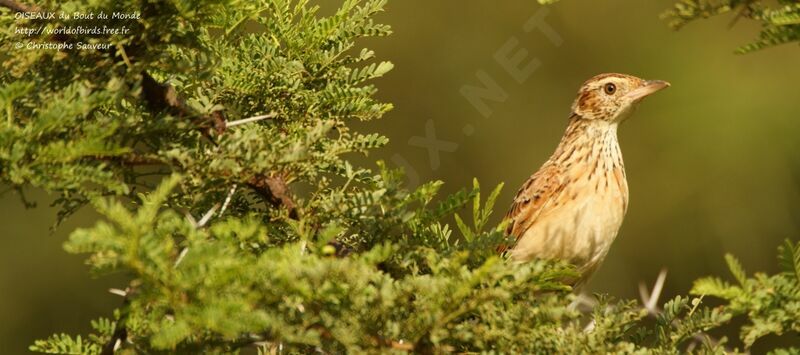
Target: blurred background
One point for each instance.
(713, 163)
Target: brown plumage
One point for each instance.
(573, 206)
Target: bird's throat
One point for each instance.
(588, 141)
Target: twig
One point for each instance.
(118, 292)
(227, 199)
(589, 327)
(401, 345)
(163, 97)
(15, 6)
(207, 216)
(583, 300)
(203, 220)
(743, 12)
(650, 302)
(180, 257)
(129, 159)
(275, 190)
(251, 119)
(190, 218)
(120, 334)
(589, 303)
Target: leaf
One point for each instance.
(736, 269)
(713, 286)
(789, 258)
(382, 69)
(489, 206)
(779, 24)
(64, 344)
(785, 351)
(468, 235)
(452, 203)
(788, 15)
(328, 233)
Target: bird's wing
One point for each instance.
(535, 198)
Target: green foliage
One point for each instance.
(770, 303)
(422, 294)
(64, 344)
(779, 24)
(480, 214)
(215, 141)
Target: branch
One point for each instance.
(129, 159)
(163, 97)
(650, 303)
(275, 190)
(17, 7)
(120, 334)
(251, 119)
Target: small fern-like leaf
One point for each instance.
(736, 269)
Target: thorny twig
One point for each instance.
(650, 304)
(227, 199)
(250, 119)
(120, 334)
(207, 216)
(203, 221)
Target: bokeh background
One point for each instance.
(713, 162)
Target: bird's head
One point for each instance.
(612, 97)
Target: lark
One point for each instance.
(572, 208)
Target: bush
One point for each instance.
(214, 137)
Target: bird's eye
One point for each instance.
(610, 88)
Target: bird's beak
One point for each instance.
(648, 88)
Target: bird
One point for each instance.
(572, 207)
